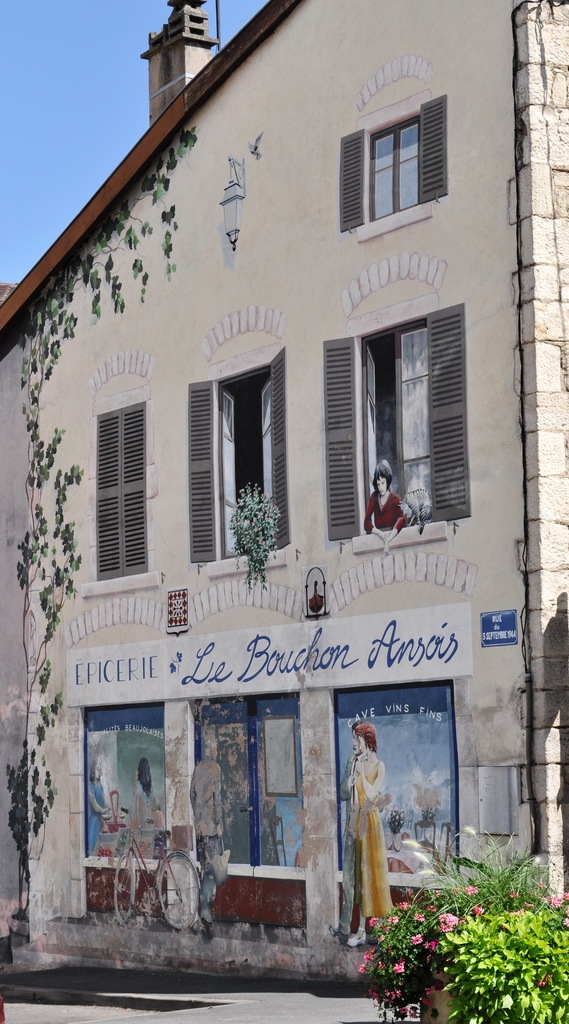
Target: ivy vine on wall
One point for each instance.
(49, 558)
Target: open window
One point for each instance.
(414, 382)
(248, 439)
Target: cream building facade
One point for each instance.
(395, 295)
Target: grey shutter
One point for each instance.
(278, 443)
(109, 540)
(352, 154)
(340, 422)
(134, 489)
(433, 150)
(121, 493)
(202, 512)
(447, 407)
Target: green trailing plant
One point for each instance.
(463, 896)
(45, 569)
(253, 525)
(48, 556)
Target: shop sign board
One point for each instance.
(411, 645)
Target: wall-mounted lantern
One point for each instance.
(315, 593)
(234, 195)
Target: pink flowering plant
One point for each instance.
(400, 969)
(488, 931)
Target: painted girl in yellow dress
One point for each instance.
(371, 890)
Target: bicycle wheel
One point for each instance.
(124, 887)
(179, 890)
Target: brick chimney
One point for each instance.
(177, 53)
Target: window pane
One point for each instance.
(384, 152)
(229, 538)
(408, 184)
(267, 440)
(371, 450)
(415, 418)
(409, 142)
(228, 405)
(383, 201)
(266, 402)
(409, 167)
(414, 354)
(229, 470)
(267, 466)
(383, 176)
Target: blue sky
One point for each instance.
(74, 101)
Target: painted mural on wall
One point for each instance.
(407, 785)
(124, 769)
(387, 513)
(257, 748)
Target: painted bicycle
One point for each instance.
(174, 879)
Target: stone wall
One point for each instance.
(543, 205)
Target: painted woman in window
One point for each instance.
(384, 509)
(147, 808)
(99, 811)
(371, 886)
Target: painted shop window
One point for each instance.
(251, 428)
(414, 426)
(121, 493)
(402, 741)
(407, 166)
(256, 744)
(124, 768)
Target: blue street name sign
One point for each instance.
(498, 629)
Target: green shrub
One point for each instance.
(510, 968)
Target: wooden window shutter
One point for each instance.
(278, 444)
(202, 512)
(433, 150)
(352, 154)
(447, 401)
(134, 490)
(121, 493)
(340, 423)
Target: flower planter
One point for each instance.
(439, 1001)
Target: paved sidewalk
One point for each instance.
(83, 994)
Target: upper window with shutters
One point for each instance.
(237, 436)
(121, 493)
(394, 167)
(397, 398)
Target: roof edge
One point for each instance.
(196, 93)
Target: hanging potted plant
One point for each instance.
(253, 525)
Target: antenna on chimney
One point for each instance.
(218, 23)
